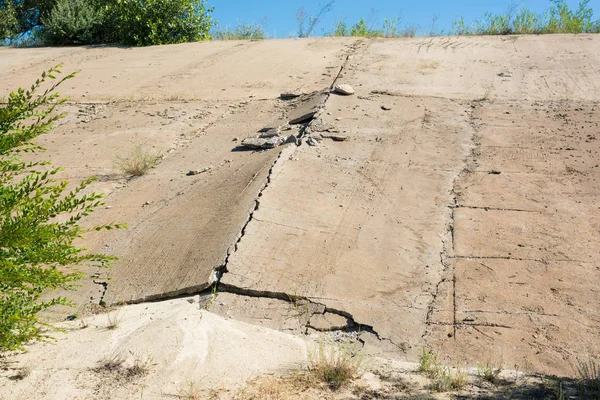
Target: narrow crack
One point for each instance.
(497, 209)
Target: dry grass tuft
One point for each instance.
(114, 320)
(138, 161)
(489, 371)
(335, 365)
(444, 379)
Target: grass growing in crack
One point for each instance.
(335, 366)
(589, 379)
(489, 371)
(138, 161)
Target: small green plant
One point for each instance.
(138, 161)
(428, 363)
(589, 379)
(334, 365)
(489, 371)
(340, 29)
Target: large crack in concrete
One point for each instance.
(214, 284)
(447, 255)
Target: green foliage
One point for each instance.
(361, 29)
(391, 28)
(340, 29)
(39, 218)
(74, 22)
(154, 22)
(559, 19)
(242, 31)
(9, 25)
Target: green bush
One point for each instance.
(153, 22)
(39, 219)
(74, 22)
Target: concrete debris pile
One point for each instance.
(269, 138)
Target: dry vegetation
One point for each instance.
(138, 160)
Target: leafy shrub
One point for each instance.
(39, 219)
(153, 22)
(74, 22)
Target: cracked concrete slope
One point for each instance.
(359, 225)
(393, 225)
(461, 212)
(191, 101)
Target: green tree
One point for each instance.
(152, 22)
(39, 218)
(24, 15)
(75, 22)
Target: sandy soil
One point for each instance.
(461, 215)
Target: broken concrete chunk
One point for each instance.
(262, 143)
(329, 322)
(344, 89)
(305, 117)
(199, 171)
(269, 132)
(311, 141)
(290, 95)
(334, 137)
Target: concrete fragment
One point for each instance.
(199, 171)
(328, 322)
(262, 143)
(334, 137)
(311, 141)
(290, 95)
(344, 89)
(269, 132)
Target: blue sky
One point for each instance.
(281, 21)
